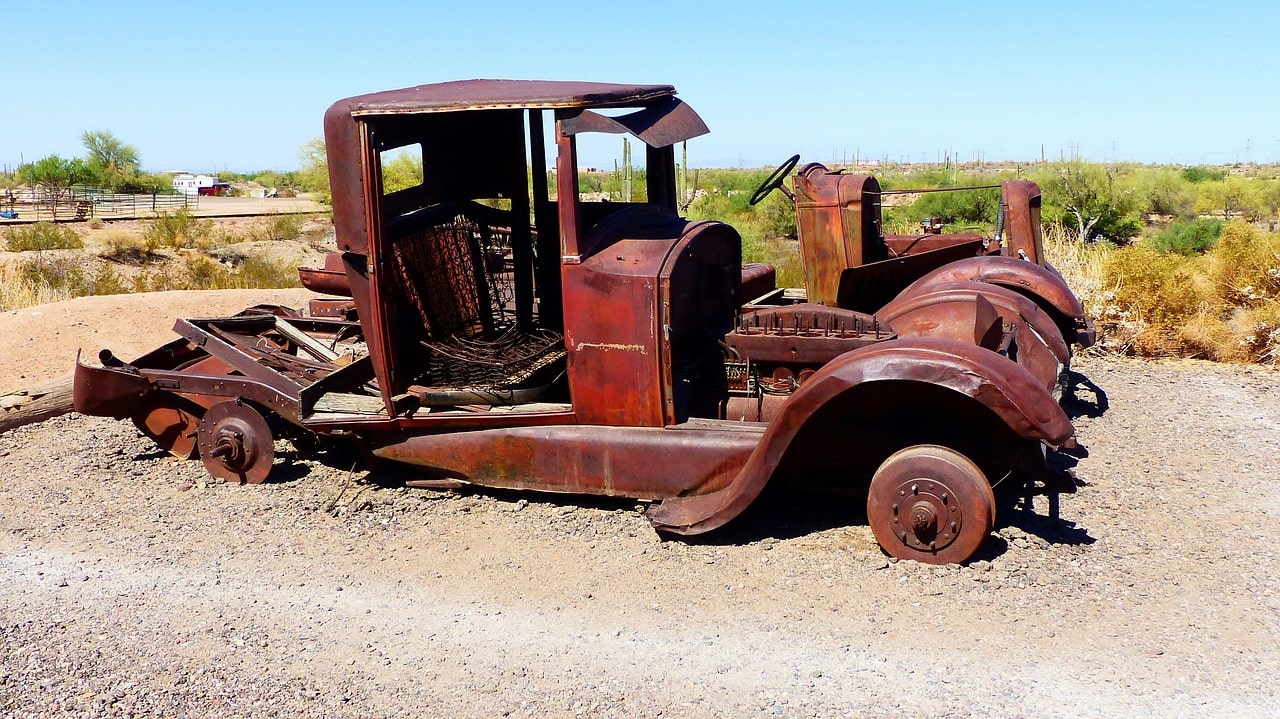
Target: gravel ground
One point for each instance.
(131, 586)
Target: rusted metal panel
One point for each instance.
(969, 315)
(657, 125)
(807, 334)
(345, 148)
(604, 344)
(1011, 305)
(838, 225)
(329, 280)
(965, 317)
(106, 391)
(566, 194)
(867, 287)
(1023, 234)
(758, 279)
(1040, 283)
(903, 245)
(500, 94)
(640, 462)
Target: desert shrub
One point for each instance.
(1203, 174)
(199, 272)
(42, 236)
(17, 290)
(106, 281)
(1158, 285)
(778, 216)
(59, 274)
(966, 207)
(54, 279)
(1222, 305)
(129, 248)
(95, 223)
(1188, 237)
(277, 228)
(203, 273)
(176, 231)
(1244, 265)
(1165, 192)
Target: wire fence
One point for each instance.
(81, 203)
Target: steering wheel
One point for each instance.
(775, 180)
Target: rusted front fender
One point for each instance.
(1008, 303)
(1008, 390)
(1040, 283)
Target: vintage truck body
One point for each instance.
(496, 333)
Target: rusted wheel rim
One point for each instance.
(236, 443)
(931, 504)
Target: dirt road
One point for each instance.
(131, 587)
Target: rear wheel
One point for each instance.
(236, 443)
(931, 504)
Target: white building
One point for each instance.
(189, 184)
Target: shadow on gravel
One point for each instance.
(784, 513)
(1053, 531)
(781, 512)
(152, 453)
(1077, 406)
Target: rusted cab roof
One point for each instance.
(497, 94)
(660, 120)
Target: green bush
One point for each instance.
(1193, 237)
(42, 236)
(1203, 174)
(964, 207)
(178, 230)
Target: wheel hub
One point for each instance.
(926, 515)
(236, 443)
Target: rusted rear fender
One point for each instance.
(108, 391)
(1041, 284)
(1005, 388)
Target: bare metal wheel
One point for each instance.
(236, 443)
(931, 504)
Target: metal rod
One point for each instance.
(933, 189)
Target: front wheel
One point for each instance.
(931, 504)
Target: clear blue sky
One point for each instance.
(241, 85)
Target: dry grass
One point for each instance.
(1223, 305)
(168, 252)
(18, 291)
(54, 279)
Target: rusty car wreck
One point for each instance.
(481, 329)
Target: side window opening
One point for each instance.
(401, 168)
